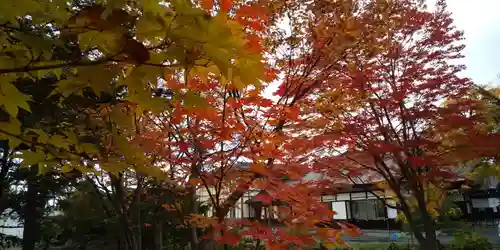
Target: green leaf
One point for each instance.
(87, 39)
(42, 136)
(31, 158)
(57, 71)
(108, 41)
(89, 148)
(37, 44)
(13, 127)
(152, 27)
(11, 98)
(71, 137)
(192, 100)
(68, 87)
(11, 109)
(59, 141)
(66, 168)
(14, 142)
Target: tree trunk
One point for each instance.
(430, 242)
(119, 203)
(207, 244)
(31, 216)
(415, 230)
(6, 164)
(158, 236)
(195, 242)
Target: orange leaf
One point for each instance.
(194, 181)
(259, 169)
(260, 184)
(207, 4)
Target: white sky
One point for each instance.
(480, 21)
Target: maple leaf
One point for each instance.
(259, 169)
(281, 91)
(226, 5)
(254, 43)
(265, 198)
(266, 103)
(183, 147)
(207, 4)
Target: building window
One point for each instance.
(368, 210)
(358, 196)
(233, 213)
(251, 211)
(348, 210)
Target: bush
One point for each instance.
(394, 246)
(469, 241)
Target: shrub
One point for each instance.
(393, 246)
(469, 241)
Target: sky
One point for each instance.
(480, 21)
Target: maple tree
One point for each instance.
(207, 146)
(379, 72)
(115, 45)
(489, 102)
(172, 94)
(197, 67)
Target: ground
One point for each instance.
(385, 236)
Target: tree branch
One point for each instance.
(75, 64)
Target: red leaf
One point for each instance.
(253, 43)
(281, 90)
(183, 147)
(265, 198)
(226, 5)
(266, 103)
(233, 103)
(418, 161)
(230, 238)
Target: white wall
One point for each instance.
(485, 203)
(340, 209)
(391, 212)
(494, 202)
(7, 222)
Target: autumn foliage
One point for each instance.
(382, 72)
(181, 93)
